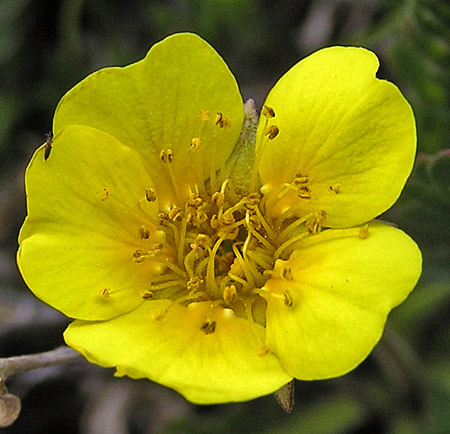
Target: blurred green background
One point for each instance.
(47, 46)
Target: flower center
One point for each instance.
(221, 246)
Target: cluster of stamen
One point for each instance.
(220, 244)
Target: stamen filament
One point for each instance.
(224, 186)
(171, 265)
(289, 213)
(200, 267)
(288, 243)
(269, 196)
(254, 272)
(170, 283)
(182, 241)
(191, 298)
(196, 176)
(284, 189)
(259, 260)
(212, 164)
(235, 207)
(210, 274)
(243, 264)
(266, 225)
(162, 278)
(176, 233)
(243, 282)
(285, 232)
(149, 217)
(262, 240)
(187, 265)
(176, 189)
(223, 140)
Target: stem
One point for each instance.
(18, 364)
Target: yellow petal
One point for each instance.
(326, 317)
(154, 105)
(352, 135)
(86, 204)
(207, 368)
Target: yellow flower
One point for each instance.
(219, 264)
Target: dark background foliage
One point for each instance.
(47, 46)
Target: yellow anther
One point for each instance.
(252, 221)
(271, 131)
(336, 188)
(194, 284)
(288, 298)
(144, 233)
(268, 112)
(139, 255)
(263, 350)
(236, 268)
(304, 192)
(150, 195)
(254, 197)
(208, 327)
(104, 194)
(194, 201)
(147, 295)
(322, 216)
(176, 214)
(157, 247)
(105, 293)
(169, 156)
(268, 273)
(229, 293)
(314, 224)
(222, 120)
(203, 241)
(252, 202)
(300, 179)
(166, 156)
(364, 232)
(198, 217)
(204, 115)
(163, 219)
(218, 199)
(214, 222)
(196, 142)
(227, 218)
(224, 186)
(228, 233)
(286, 274)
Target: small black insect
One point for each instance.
(48, 145)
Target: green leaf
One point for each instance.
(423, 209)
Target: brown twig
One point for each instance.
(18, 364)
